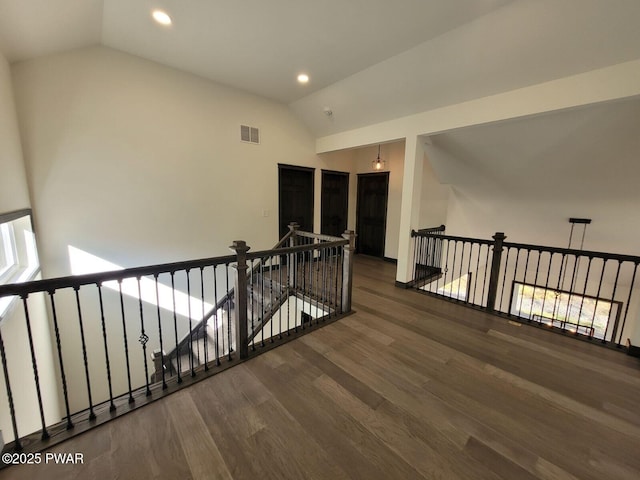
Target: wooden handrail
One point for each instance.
(74, 281)
(539, 248)
(423, 231)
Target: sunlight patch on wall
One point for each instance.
(83, 262)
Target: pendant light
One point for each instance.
(378, 163)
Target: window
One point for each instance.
(8, 258)
(18, 253)
(571, 311)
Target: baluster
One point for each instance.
(336, 277)
(320, 284)
(425, 245)
(535, 285)
(626, 310)
(546, 288)
(576, 263)
(36, 376)
(191, 359)
(280, 297)
(312, 293)
(327, 281)
(289, 276)
(126, 342)
(486, 276)
(453, 268)
(216, 324)
(63, 376)
(613, 297)
(464, 245)
(17, 444)
(324, 285)
(324, 282)
(475, 281)
(226, 307)
(416, 255)
(203, 321)
(468, 292)
(584, 293)
(339, 267)
(262, 305)
(558, 289)
(295, 297)
(143, 339)
(317, 262)
(515, 277)
(112, 406)
(272, 303)
(229, 315)
(448, 277)
(435, 286)
(446, 270)
(162, 358)
(252, 301)
(259, 298)
(433, 251)
(504, 276)
(92, 415)
(595, 308)
(304, 286)
(175, 327)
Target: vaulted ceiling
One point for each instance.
(369, 60)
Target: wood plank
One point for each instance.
(347, 441)
(200, 450)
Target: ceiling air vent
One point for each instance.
(249, 134)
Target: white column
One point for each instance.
(410, 206)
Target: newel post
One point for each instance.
(347, 270)
(291, 261)
(242, 331)
(158, 358)
(495, 270)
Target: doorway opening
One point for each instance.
(334, 202)
(371, 213)
(295, 197)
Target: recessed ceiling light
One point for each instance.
(161, 17)
(303, 78)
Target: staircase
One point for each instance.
(214, 336)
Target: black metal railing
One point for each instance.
(427, 251)
(592, 295)
(124, 338)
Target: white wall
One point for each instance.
(434, 197)
(14, 194)
(528, 177)
(141, 163)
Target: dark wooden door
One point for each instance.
(371, 213)
(334, 202)
(295, 185)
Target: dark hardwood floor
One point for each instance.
(408, 387)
